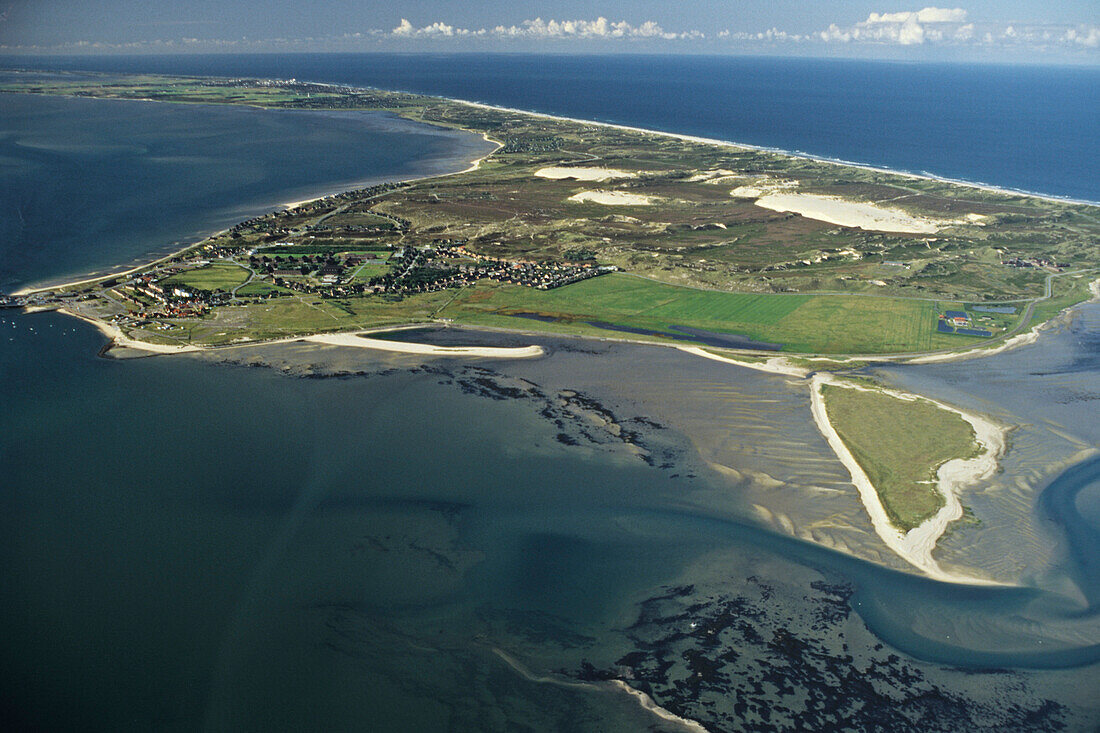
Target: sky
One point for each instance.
(1034, 31)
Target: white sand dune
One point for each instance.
(916, 545)
(356, 340)
(857, 214)
(613, 198)
(559, 173)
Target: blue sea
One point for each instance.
(1031, 128)
(298, 538)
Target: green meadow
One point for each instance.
(802, 323)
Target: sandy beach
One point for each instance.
(358, 341)
(779, 151)
(118, 338)
(916, 545)
(774, 365)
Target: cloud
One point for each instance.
(952, 26)
(929, 27)
(904, 28)
(927, 15)
(1088, 36)
(600, 29)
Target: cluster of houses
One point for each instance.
(539, 275)
(1044, 262)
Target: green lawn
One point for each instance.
(900, 445)
(802, 323)
(215, 276)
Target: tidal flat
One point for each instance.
(378, 577)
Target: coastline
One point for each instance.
(779, 151)
(472, 165)
(356, 340)
(916, 545)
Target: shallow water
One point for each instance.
(91, 185)
(340, 539)
(237, 547)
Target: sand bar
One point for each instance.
(404, 347)
(774, 365)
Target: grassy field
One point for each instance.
(215, 276)
(900, 445)
(303, 315)
(802, 323)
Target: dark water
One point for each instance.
(1029, 128)
(189, 545)
(90, 185)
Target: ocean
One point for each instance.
(297, 537)
(1031, 128)
(91, 185)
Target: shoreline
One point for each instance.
(471, 166)
(358, 341)
(778, 151)
(916, 545)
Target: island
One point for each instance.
(790, 264)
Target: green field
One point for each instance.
(300, 315)
(900, 445)
(802, 323)
(215, 276)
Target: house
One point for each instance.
(959, 319)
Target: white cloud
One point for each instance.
(600, 28)
(927, 15)
(1088, 36)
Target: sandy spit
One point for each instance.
(916, 545)
(495, 352)
(775, 365)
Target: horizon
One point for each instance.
(1079, 64)
(1028, 32)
